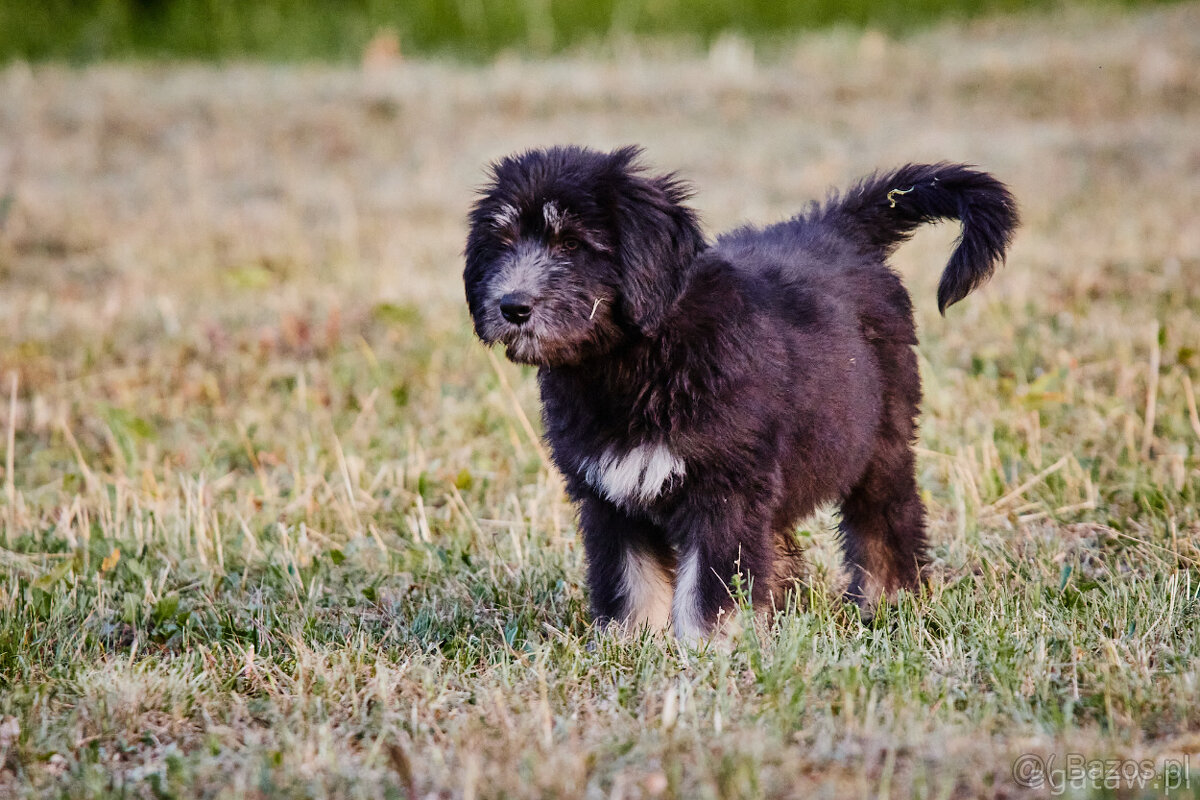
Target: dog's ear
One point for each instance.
(657, 237)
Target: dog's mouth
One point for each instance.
(523, 344)
(527, 347)
(524, 349)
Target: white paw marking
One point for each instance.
(685, 606)
(647, 590)
(639, 475)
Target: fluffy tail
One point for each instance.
(885, 209)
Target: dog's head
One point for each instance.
(572, 252)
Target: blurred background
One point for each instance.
(338, 30)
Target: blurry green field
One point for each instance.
(87, 30)
(271, 524)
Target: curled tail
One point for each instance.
(885, 209)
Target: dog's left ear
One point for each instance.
(657, 237)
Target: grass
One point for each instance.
(273, 526)
(88, 30)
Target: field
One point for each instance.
(275, 525)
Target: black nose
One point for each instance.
(516, 307)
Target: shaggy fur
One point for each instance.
(701, 398)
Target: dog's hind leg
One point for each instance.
(789, 573)
(883, 528)
(883, 519)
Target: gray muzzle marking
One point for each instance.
(526, 270)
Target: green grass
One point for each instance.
(333, 29)
(271, 524)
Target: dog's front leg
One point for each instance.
(720, 549)
(629, 566)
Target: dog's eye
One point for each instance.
(570, 243)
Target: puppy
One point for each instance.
(701, 398)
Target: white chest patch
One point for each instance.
(637, 476)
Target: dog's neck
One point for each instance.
(652, 380)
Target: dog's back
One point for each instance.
(855, 232)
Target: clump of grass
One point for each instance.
(272, 525)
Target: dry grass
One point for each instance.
(272, 524)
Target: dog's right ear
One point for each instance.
(657, 237)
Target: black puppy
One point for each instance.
(702, 398)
